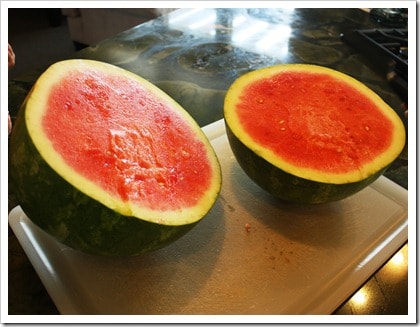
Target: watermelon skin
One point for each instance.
(75, 217)
(289, 187)
(289, 181)
(52, 202)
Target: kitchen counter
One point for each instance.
(194, 55)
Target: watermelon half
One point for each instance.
(310, 134)
(108, 163)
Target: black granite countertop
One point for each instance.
(194, 55)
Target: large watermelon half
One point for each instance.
(310, 134)
(108, 163)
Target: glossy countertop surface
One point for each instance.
(194, 55)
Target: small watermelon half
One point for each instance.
(310, 134)
(109, 164)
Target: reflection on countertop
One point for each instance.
(380, 292)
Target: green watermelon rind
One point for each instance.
(100, 230)
(72, 214)
(291, 182)
(36, 105)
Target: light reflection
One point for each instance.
(196, 21)
(398, 259)
(360, 298)
(390, 274)
(238, 21)
(398, 264)
(381, 247)
(277, 38)
(248, 31)
(36, 247)
(207, 20)
(263, 37)
(180, 15)
(245, 31)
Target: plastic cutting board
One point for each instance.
(251, 254)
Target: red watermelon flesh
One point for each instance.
(139, 157)
(320, 133)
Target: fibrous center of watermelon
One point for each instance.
(314, 121)
(119, 135)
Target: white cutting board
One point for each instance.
(293, 259)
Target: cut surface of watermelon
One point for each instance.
(315, 122)
(310, 134)
(322, 130)
(125, 140)
(122, 142)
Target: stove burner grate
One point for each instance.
(387, 49)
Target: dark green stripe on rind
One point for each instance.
(72, 217)
(286, 186)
